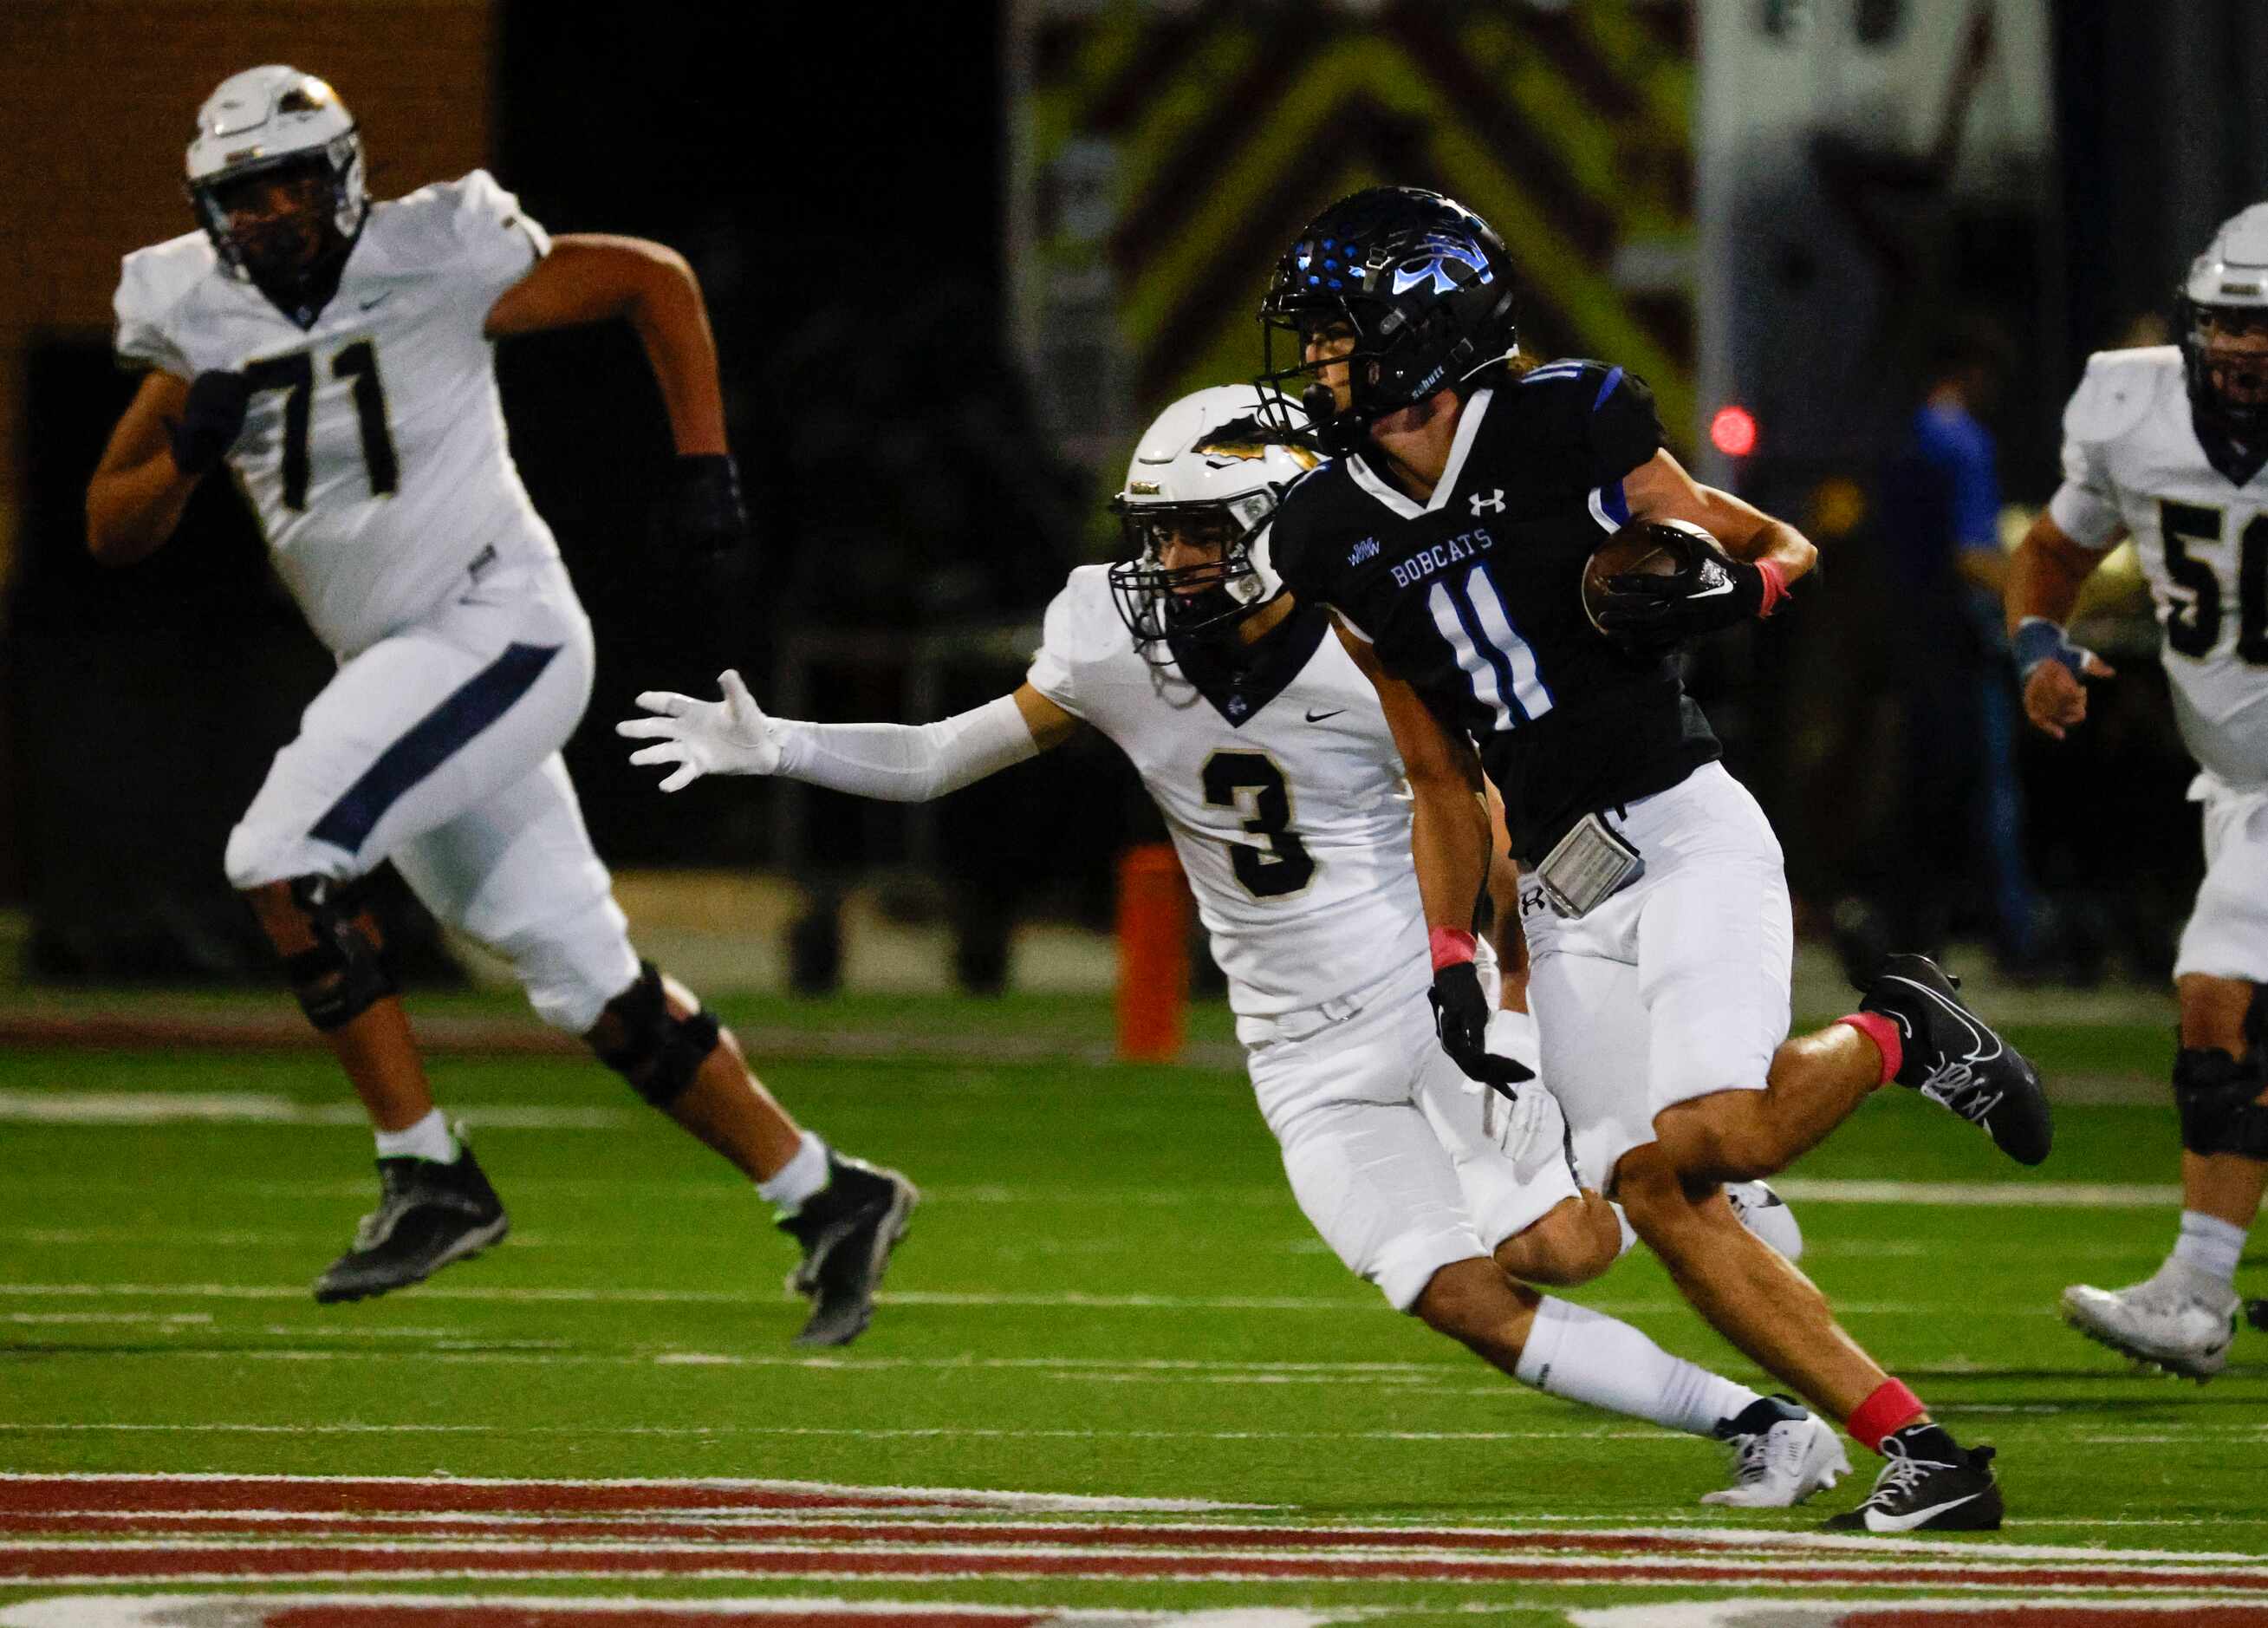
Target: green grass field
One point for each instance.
(1108, 1294)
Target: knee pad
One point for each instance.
(640, 1039)
(2215, 1094)
(345, 974)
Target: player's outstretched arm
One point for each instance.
(139, 489)
(895, 762)
(2044, 578)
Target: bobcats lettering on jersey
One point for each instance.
(373, 451)
(2133, 460)
(1473, 597)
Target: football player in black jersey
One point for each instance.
(1451, 536)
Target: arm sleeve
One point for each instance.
(1625, 430)
(2084, 505)
(141, 340)
(908, 763)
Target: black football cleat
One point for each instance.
(1956, 1059)
(847, 1229)
(428, 1215)
(1929, 1483)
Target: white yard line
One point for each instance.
(1064, 1299)
(1968, 1195)
(165, 1108)
(989, 1498)
(174, 1318)
(918, 1432)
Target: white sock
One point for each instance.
(1585, 1357)
(2211, 1245)
(1630, 1233)
(428, 1138)
(797, 1179)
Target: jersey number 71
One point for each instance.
(296, 374)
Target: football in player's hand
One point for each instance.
(1642, 549)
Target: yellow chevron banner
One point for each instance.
(1164, 157)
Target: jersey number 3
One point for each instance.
(1284, 865)
(296, 375)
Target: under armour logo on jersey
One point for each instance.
(1366, 550)
(1492, 503)
(1237, 706)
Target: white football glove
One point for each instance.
(733, 736)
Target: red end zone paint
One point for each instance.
(85, 1531)
(145, 1525)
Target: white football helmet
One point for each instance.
(1207, 473)
(2223, 325)
(268, 119)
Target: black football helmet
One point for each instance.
(1424, 285)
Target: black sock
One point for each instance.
(1759, 1416)
(1929, 1441)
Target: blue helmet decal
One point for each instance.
(1433, 261)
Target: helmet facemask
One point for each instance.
(2224, 355)
(1205, 600)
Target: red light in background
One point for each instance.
(1733, 431)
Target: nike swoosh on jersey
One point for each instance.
(1317, 717)
(376, 300)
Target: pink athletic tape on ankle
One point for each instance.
(1892, 1407)
(1886, 1037)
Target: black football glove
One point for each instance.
(1461, 1017)
(700, 519)
(1649, 614)
(212, 417)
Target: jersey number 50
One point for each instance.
(2195, 629)
(296, 374)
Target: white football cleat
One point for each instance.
(1765, 1213)
(2181, 1320)
(1780, 1467)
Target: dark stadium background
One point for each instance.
(840, 184)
